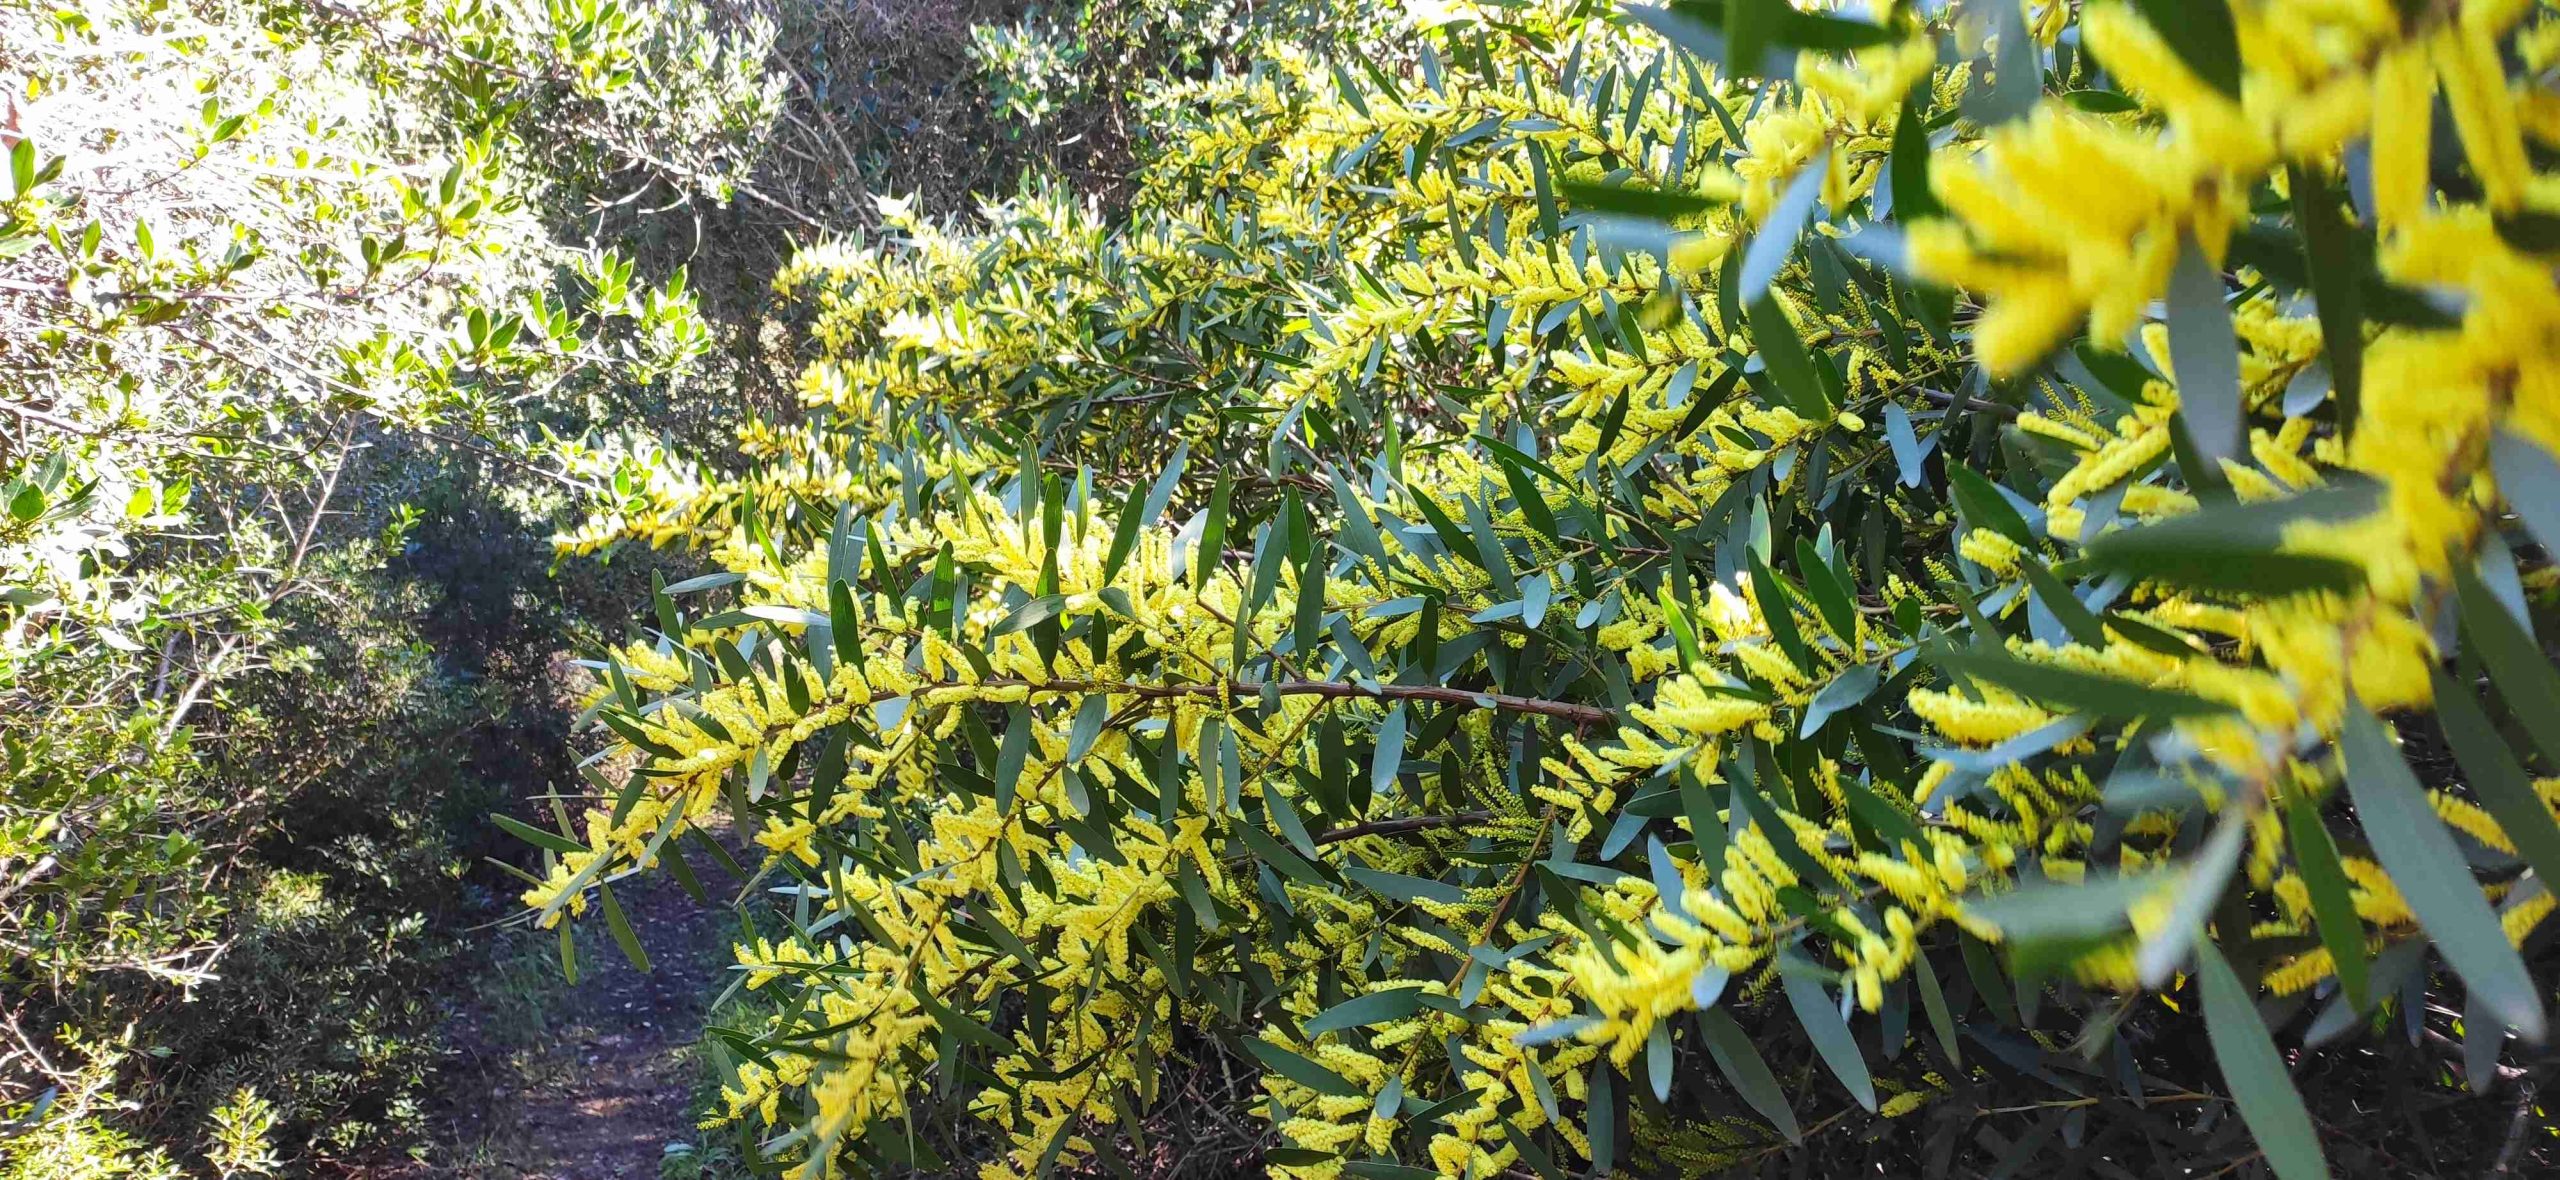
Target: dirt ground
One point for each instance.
(595, 1080)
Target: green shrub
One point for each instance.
(1697, 589)
(275, 272)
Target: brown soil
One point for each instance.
(605, 1089)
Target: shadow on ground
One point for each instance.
(593, 1080)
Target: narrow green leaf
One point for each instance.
(1657, 1060)
(1984, 507)
(1988, 981)
(2200, 887)
(2335, 264)
(1788, 367)
(1908, 458)
(1490, 552)
(1740, 1062)
(1160, 495)
(536, 836)
(1780, 231)
(1654, 204)
(1090, 717)
(2254, 1073)
(1357, 534)
(1307, 626)
(1535, 1156)
(1831, 596)
(1668, 884)
(2430, 872)
(2101, 102)
(1382, 1170)
(2332, 907)
(1300, 1070)
(1378, 1007)
(1387, 759)
(1554, 1030)
(1333, 792)
(2530, 480)
(1853, 685)
(1600, 1117)
(2017, 69)
(2204, 355)
(2038, 910)
(1777, 608)
(959, 1024)
(1824, 31)
(1124, 533)
(1010, 756)
(2526, 680)
(1268, 849)
(673, 858)
(704, 582)
(2233, 548)
(1213, 538)
(1934, 1000)
(1284, 816)
(2074, 690)
(2144, 635)
(621, 927)
(1912, 198)
(845, 623)
(2483, 1038)
(1533, 503)
(1030, 615)
(2066, 606)
(2504, 788)
(1749, 27)
(1830, 1035)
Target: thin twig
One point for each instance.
(1340, 690)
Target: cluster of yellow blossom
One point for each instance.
(1362, 609)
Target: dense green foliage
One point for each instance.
(281, 308)
(1699, 588)
(1453, 588)
(301, 307)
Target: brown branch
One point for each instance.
(1468, 698)
(57, 422)
(1971, 403)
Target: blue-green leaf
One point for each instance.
(2431, 873)
(2530, 480)
(1742, 1065)
(2204, 355)
(2255, 1074)
(1830, 1035)
(1778, 234)
(1300, 1070)
(1378, 1007)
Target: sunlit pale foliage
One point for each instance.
(1572, 563)
(252, 257)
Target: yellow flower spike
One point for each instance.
(2404, 85)
(2063, 222)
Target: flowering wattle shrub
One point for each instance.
(1596, 589)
